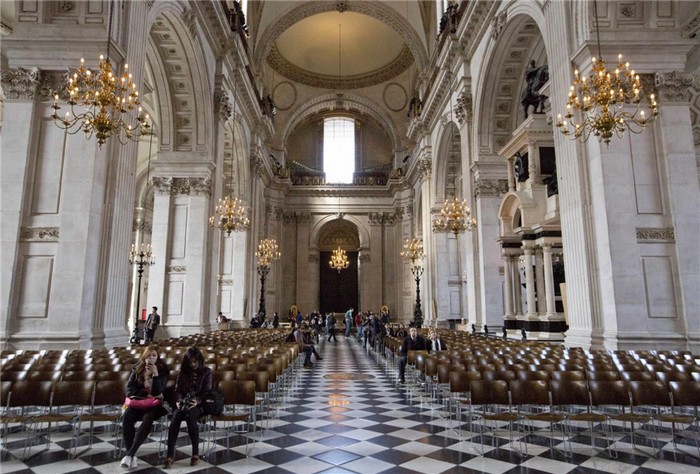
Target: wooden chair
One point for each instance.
(239, 409)
(490, 400)
(107, 406)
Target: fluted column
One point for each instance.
(517, 289)
(549, 281)
(539, 281)
(529, 284)
(511, 174)
(508, 274)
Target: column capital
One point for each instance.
(675, 86)
(490, 187)
(20, 84)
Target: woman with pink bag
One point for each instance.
(144, 401)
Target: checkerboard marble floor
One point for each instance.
(367, 426)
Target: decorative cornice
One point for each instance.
(176, 269)
(51, 83)
(653, 236)
(674, 86)
(498, 23)
(39, 234)
(382, 218)
(463, 110)
(490, 187)
(20, 83)
(326, 81)
(222, 106)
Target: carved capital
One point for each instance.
(191, 186)
(222, 107)
(162, 185)
(498, 23)
(39, 234)
(303, 217)
(674, 86)
(256, 165)
(314, 258)
(142, 225)
(20, 84)
(382, 218)
(364, 257)
(51, 83)
(691, 29)
(463, 111)
(490, 187)
(425, 167)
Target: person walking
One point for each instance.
(348, 322)
(413, 342)
(194, 384)
(330, 327)
(151, 325)
(148, 379)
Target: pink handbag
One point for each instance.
(142, 403)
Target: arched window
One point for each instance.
(339, 149)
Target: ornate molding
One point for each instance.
(332, 81)
(690, 30)
(314, 258)
(226, 281)
(20, 83)
(382, 218)
(463, 110)
(142, 225)
(674, 86)
(51, 83)
(498, 23)
(39, 234)
(364, 257)
(222, 107)
(176, 269)
(653, 236)
(256, 165)
(490, 187)
(303, 217)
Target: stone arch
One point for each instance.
(509, 209)
(348, 225)
(501, 79)
(374, 9)
(180, 77)
(351, 102)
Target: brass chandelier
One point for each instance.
(601, 100)
(413, 251)
(455, 216)
(339, 260)
(268, 252)
(105, 101)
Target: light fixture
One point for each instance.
(230, 215)
(339, 260)
(104, 100)
(413, 251)
(141, 257)
(601, 99)
(268, 253)
(455, 216)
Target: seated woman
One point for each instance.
(194, 383)
(148, 379)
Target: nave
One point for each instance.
(332, 424)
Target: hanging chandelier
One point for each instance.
(413, 251)
(268, 252)
(609, 102)
(104, 101)
(455, 216)
(339, 260)
(230, 215)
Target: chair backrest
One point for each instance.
(109, 392)
(47, 376)
(506, 375)
(568, 375)
(238, 392)
(533, 375)
(72, 393)
(570, 392)
(648, 392)
(685, 393)
(13, 376)
(636, 375)
(31, 393)
(609, 392)
(79, 376)
(489, 392)
(260, 378)
(460, 379)
(221, 375)
(529, 392)
(602, 375)
(5, 388)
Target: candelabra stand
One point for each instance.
(141, 258)
(417, 271)
(263, 270)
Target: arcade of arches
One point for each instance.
(592, 245)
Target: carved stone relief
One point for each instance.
(20, 83)
(39, 234)
(162, 185)
(675, 86)
(463, 109)
(382, 218)
(653, 236)
(191, 186)
(176, 269)
(490, 187)
(222, 106)
(498, 23)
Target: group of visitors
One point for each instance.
(416, 342)
(145, 391)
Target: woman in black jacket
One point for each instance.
(147, 380)
(192, 387)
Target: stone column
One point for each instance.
(508, 274)
(549, 282)
(511, 174)
(517, 289)
(530, 284)
(539, 281)
(159, 240)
